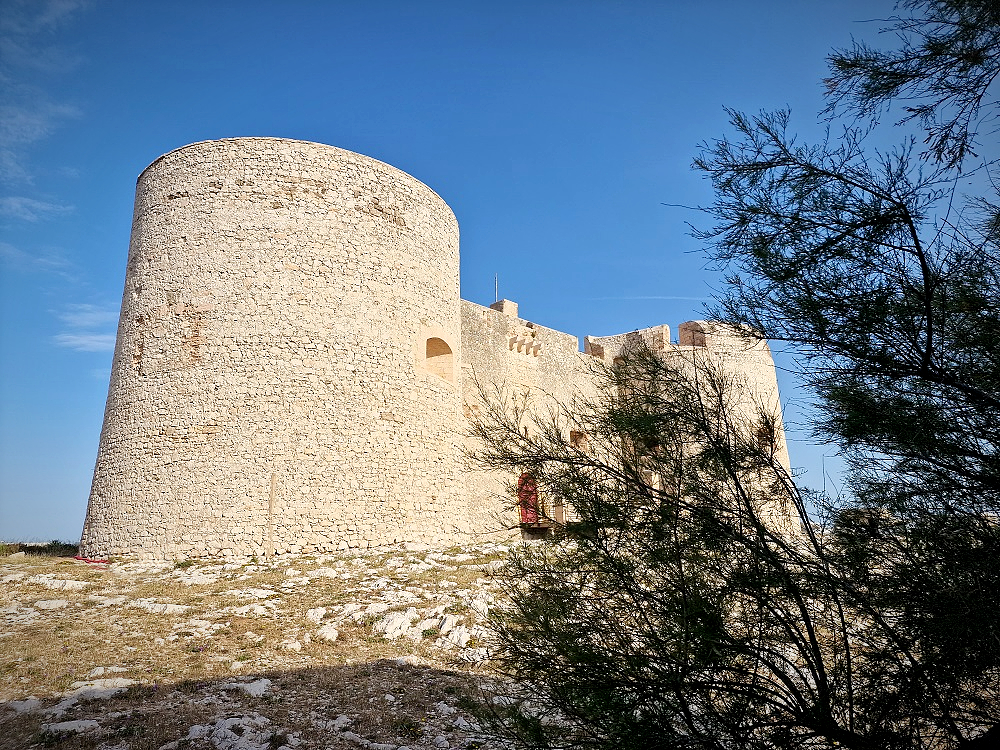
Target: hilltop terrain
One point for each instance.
(376, 651)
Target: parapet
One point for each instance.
(693, 334)
(505, 306)
(718, 337)
(609, 348)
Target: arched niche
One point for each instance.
(439, 359)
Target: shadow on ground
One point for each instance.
(383, 705)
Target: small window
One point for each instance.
(439, 359)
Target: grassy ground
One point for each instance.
(175, 638)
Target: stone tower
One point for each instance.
(287, 370)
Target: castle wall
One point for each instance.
(295, 371)
(287, 374)
(610, 348)
(747, 362)
(503, 354)
(507, 356)
(749, 365)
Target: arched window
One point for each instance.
(527, 498)
(439, 359)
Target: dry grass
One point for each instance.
(184, 631)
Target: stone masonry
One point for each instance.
(294, 367)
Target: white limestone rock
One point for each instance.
(51, 604)
(101, 671)
(448, 623)
(443, 709)
(256, 689)
(25, 706)
(49, 581)
(328, 633)
(396, 624)
(160, 608)
(100, 688)
(249, 732)
(342, 722)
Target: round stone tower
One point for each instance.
(286, 374)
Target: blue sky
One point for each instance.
(556, 131)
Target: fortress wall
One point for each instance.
(524, 360)
(748, 361)
(287, 374)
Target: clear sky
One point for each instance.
(556, 131)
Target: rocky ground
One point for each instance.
(375, 651)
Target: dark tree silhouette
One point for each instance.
(694, 603)
(943, 74)
(701, 599)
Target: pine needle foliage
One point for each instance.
(943, 73)
(700, 598)
(694, 603)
